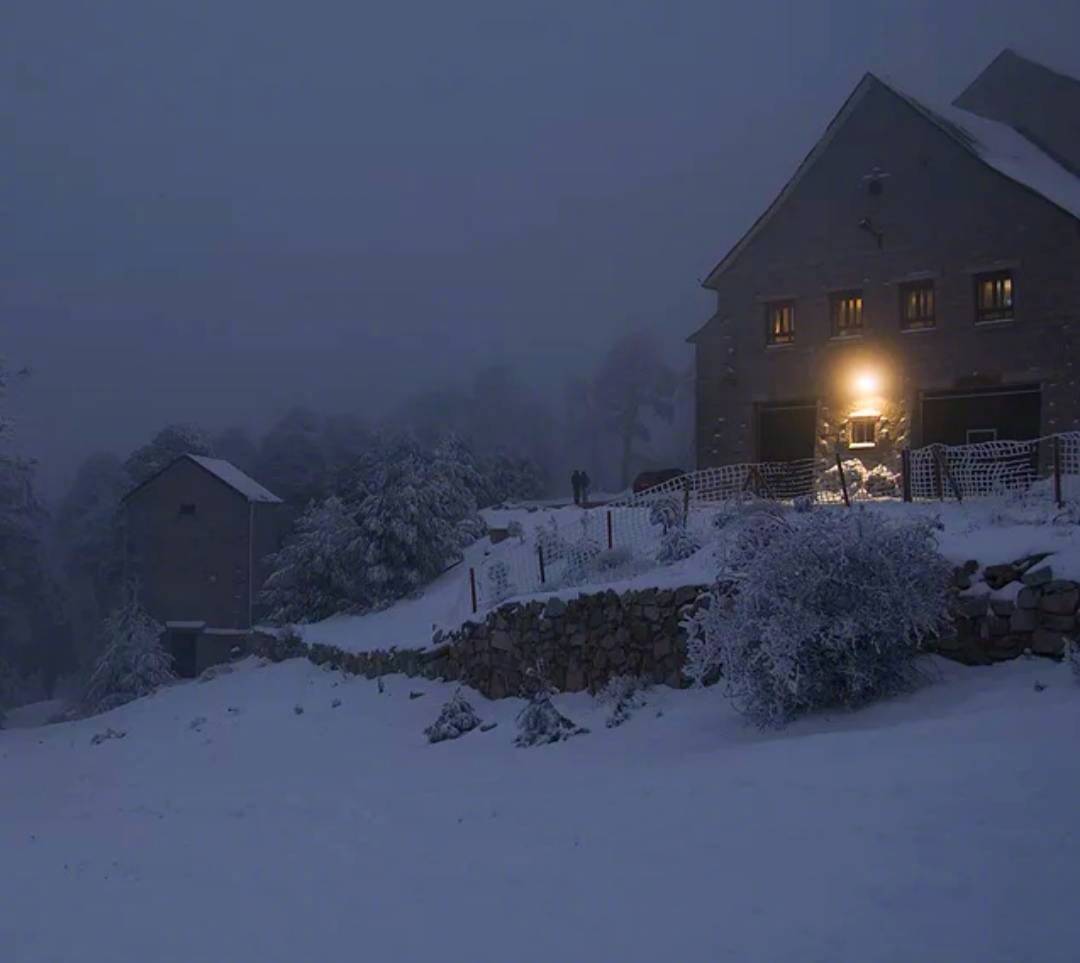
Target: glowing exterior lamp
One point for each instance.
(867, 383)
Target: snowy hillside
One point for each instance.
(226, 825)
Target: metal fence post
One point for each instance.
(905, 469)
(540, 555)
(1058, 495)
(843, 480)
(610, 533)
(472, 588)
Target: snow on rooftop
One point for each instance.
(1007, 151)
(235, 478)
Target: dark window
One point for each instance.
(780, 322)
(187, 509)
(917, 305)
(976, 436)
(994, 296)
(863, 431)
(847, 313)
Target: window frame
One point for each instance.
(996, 313)
(836, 298)
(771, 338)
(862, 421)
(923, 322)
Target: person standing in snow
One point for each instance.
(586, 481)
(575, 483)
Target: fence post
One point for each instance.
(843, 480)
(610, 533)
(1058, 497)
(472, 588)
(540, 555)
(946, 474)
(905, 470)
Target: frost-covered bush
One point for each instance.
(549, 540)
(1073, 653)
(540, 723)
(677, 544)
(667, 512)
(739, 509)
(315, 574)
(499, 584)
(456, 717)
(514, 530)
(827, 609)
(855, 475)
(470, 529)
(882, 482)
(622, 696)
(134, 662)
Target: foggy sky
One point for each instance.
(214, 209)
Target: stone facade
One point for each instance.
(940, 214)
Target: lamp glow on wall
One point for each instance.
(867, 383)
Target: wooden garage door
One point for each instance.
(994, 414)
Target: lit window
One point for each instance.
(863, 431)
(847, 313)
(994, 296)
(780, 322)
(917, 305)
(187, 509)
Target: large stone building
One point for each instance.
(197, 535)
(916, 281)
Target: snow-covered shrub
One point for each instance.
(677, 544)
(470, 529)
(667, 512)
(1073, 653)
(456, 717)
(882, 482)
(540, 723)
(499, 585)
(623, 695)
(315, 574)
(515, 530)
(134, 662)
(739, 509)
(827, 609)
(549, 540)
(855, 475)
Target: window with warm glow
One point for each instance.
(862, 431)
(994, 296)
(780, 322)
(847, 313)
(917, 305)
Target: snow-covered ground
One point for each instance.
(990, 531)
(225, 826)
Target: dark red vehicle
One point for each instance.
(650, 479)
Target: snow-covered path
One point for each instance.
(939, 827)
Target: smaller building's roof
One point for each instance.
(224, 471)
(235, 478)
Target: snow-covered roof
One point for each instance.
(235, 478)
(995, 144)
(1008, 152)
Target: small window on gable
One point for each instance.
(846, 308)
(780, 322)
(187, 508)
(993, 296)
(862, 431)
(917, 305)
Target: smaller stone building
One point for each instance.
(197, 535)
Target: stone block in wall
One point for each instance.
(1028, 598)
(973, 606)
(1024, 620)
(1047, 642)
(1059, 623)
(1007, 647)
(1002, 607)
(1059, 598)
(997, 625)
(1039, 576)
